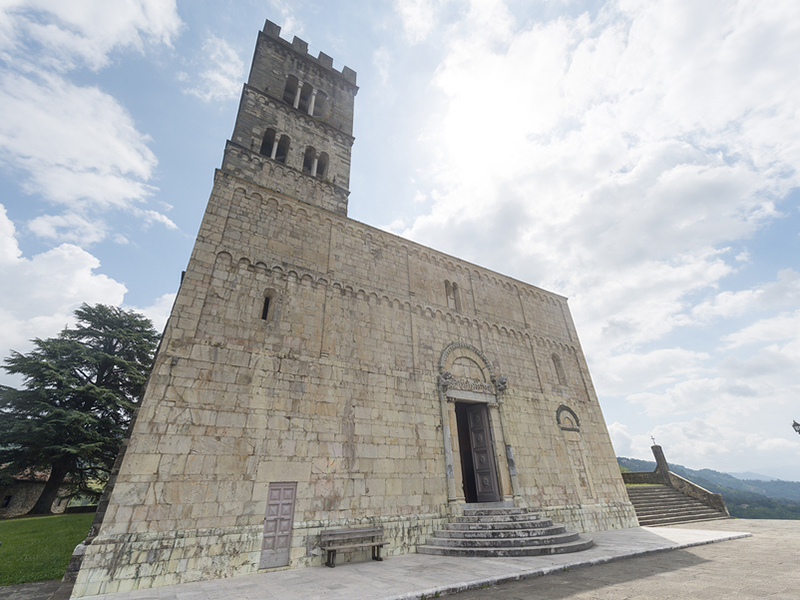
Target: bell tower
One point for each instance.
(294, 128)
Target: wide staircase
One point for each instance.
(664, 505)
(503, 531)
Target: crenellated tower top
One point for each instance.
(293, 131)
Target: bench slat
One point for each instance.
(343, 533)
(354, 546)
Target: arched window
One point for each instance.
(290, 91)
(453, 295)
(268, 306)
(559, 369)
(320, 105)
(305, 96)
(322, 165)
(267, 144)
(283, 149)
(567, 419)
(309, 157)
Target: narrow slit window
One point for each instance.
(559, 368)
(265, 309)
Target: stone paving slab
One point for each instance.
(412, 575)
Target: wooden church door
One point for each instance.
(482, 455)
(278, 525)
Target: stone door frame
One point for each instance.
(489, 392)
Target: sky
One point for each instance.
(641, 157)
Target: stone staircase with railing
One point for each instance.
(664, 505)
(503, 531)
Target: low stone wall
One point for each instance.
(592, 517)
(22, 495)
(643, 478)
(689, 488)
(124, 562)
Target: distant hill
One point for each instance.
(745, 498)
(753, 476)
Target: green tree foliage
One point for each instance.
(80, 390)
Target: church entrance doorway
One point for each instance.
(477, 455)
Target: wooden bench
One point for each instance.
(332, 540)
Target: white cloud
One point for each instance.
(783, 293)
(419, 17)
(40, 293)
(66, 35)
(159, 311)
(223, 74)
(614, 158)
(632, 372)
(79, 148)
(782, 327)
(623, 158)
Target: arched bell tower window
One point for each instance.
(309, 160)
(315, 164)
(320, 105)
(268, 142)
(305, 97)
(322, 165)
(282, 149)
(559, 369)
(290, 91)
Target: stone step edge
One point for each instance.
(577, 546)
(682, 521)
(524, 542)
(469, 534)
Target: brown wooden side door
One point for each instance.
(482, 454)
(278, 525)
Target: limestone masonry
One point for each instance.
(316, 372)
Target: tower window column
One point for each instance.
(311, 102)
(296, 102)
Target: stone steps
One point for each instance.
(487, 531)
(664, 505)
(498, 533)
(505, 542)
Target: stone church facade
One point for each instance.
(317, 372)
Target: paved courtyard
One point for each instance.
(766, 565)
(628, 564)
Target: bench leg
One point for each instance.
(376, 553)
(331, 562)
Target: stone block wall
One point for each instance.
(335, 390)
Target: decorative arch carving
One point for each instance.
(567, 419)
(471, 349)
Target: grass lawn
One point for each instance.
(39, 548)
